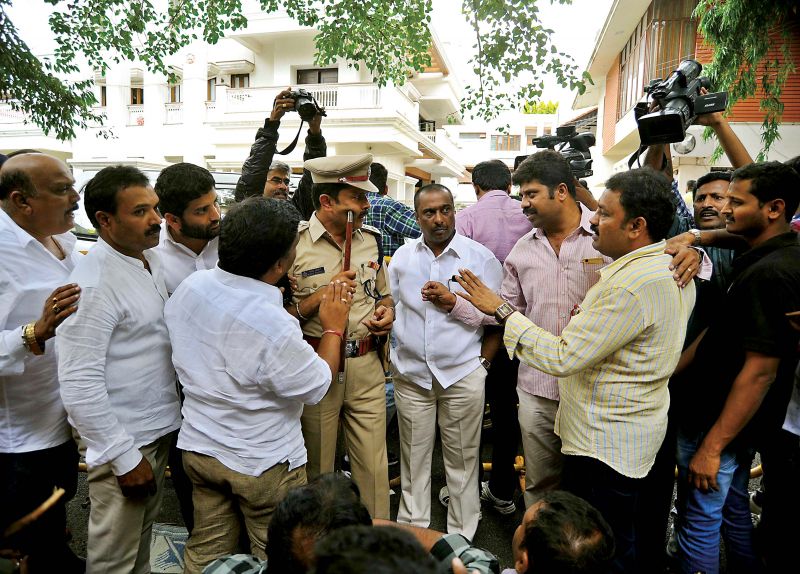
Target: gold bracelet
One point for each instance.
(30, 341)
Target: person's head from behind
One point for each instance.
(37, 191)
(372, 550)
(379, 175)
(547, 187)
(278, 180)
(258, 239)
(709, 199)
(562, 534)
(123, 207)
(187, 199)
(436, 214)
(490, 175)
(635, 210)
(308, 514)
(761, 200)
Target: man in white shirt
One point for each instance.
(37, 453)
(188, 201)
(115, 367)
(246, 373)
(440, 365)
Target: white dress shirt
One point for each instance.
(245, 369)
(114, 358)
(179, 261)
(426, 341)
(32, 416)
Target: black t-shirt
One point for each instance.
(750, 317)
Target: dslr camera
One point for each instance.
(680, 103)
(573, 146)
(305, 104)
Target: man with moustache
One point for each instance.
(263, 176)
(615, 355)
(742, 401)
(115, 367)
(440, 363)
(187, 199)
(37, 254)
(357, 396)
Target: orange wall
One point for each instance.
(610, 108)
(748, 110)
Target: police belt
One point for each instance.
(352, 347)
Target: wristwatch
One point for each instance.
(502, 312)
(485, 363)
(696, 233)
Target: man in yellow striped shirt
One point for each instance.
(615, 356)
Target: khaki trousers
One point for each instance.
(222, 498)
(459, 409)
(360, 401)
(541, 445)
(120, 528)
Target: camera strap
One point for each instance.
(637, 156)
(290, 148)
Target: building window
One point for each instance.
(664, 36)
(175, 94)
(211, 90)
(137, 96)
(472, 136)
(427, 125)
(505, 143)
(103, 96)
(323, 76)
(240, 80)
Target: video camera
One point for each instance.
(680, 101)
(305, 104)
(573, 146)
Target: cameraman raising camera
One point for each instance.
(260, 175)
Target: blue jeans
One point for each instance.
(703, 515)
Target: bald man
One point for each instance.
(37, 453)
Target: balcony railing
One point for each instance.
(174, 113)
(136, 115)
(329, 96)
(8, 115)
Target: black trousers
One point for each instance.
(615, 496)
(27, 479)
(501, 394)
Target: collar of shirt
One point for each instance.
(270, 293)
(166, 238)
(456, 243)
(65, 240)
(585, 226)
(317, 229)
(494, 193)
(749, 257)
(152, 258)
(652, 250)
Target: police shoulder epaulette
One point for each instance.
(373, 230)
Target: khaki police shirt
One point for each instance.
(319, 259)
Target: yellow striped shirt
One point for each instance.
(613, 360)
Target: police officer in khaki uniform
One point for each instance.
(340, 185)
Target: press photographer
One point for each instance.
(261, 175)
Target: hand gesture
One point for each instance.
(685, 264)
(703, 469)
(348, 278)
(283, 103)
(139, 482)
(314, 126)
(483, 298)
(334, 309)
(439, 295)
(59, 305)
(381, 321)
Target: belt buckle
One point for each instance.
(351, 348)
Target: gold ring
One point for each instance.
(344, 300)
(56, 309)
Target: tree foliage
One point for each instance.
(548, 107)
(742, 34)
(391, 38)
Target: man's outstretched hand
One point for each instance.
(483, 298)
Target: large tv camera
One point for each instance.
(573, 146)
(680, 101)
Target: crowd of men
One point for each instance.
(614, 338)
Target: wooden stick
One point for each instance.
(18, 525)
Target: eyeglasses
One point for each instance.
(369, 288)
(277, 181)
